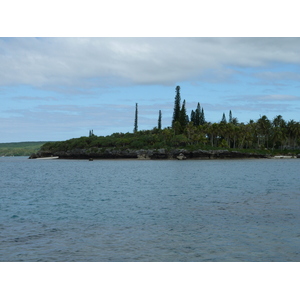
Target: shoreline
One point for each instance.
(154, 154)
(141, 154)
(167, 159)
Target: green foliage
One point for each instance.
(176, 113)
(91, 133)
(19, 149)
(230, 117)
(223, 119)
(135, 129)
(202, 117)
(183, 120)
(224, 144)
(159, 120)
(197, 116)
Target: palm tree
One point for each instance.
(190, 130)
(213, 130)
(236, 134)
(200, 136)
(279, 129)
(293, 130)
(263, 130)
(277, 136)
(297, 132)
(249, 134)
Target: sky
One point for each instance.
(66, 69)
(60, 88)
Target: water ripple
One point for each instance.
(64, 210)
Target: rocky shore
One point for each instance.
(180, 154)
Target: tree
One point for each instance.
(263, 130)
(193, 117)
(183, 120)
(91, 133)
(136, 119)
(176, 113)
(235, 121)
(197, 115)
(224, 132)
(177, 129)
(202, 117)
(230, 117)
(167, 134)
(159, 120)
(296, 132)
(293, 130)
(223, 119)
(213, 130)
(279, 131)
(190, 130)
(236, 135)
(278, 121)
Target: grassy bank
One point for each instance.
(20, 149)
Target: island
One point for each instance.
(188, 137)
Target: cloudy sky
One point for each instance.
(60, 88)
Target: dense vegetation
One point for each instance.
(19, 149)
(194, 132)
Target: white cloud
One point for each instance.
(114, 61)
(258, 76)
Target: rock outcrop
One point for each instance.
(180, 154)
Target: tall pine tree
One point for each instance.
(197, 115)
(230, 117)
(136, 119)
(176, 113)
(202, 117)
(159, 120)
(182, 116)
(223, 119)
(193, 117)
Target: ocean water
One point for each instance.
(156, 211)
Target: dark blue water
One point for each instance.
(131, 210)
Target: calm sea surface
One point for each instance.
(131, 210)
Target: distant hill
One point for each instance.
(20, 149)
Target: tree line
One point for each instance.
(261, 134)
(194, 131)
